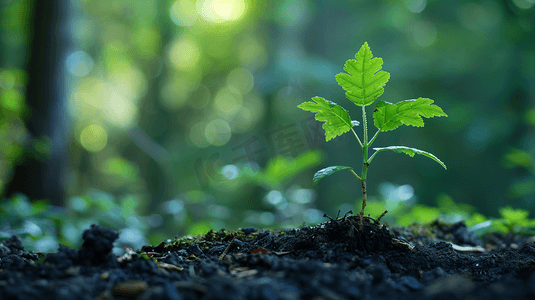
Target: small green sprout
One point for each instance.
(363, 84)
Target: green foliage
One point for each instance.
(277, 185)
(326, 172)
(282, 168)
(144, 256)
(199, 227)
(43, 226)
(375, 208)
(403, 213)
(514, 221)
(34, 222)
(420, 214)
(336, 118)
(364, 83)
(189, 89)
(511, 221)
(409, 151)
(388, 116)
(516, 158)
(475, 218)
(16, 142)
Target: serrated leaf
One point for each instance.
(388, 116)
(336, 118)
(410, 152)
(326, 172)
(365, 81)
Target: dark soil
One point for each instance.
(334, 260)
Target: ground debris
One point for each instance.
(333, 260)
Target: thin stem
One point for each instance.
(382, 215)
(364, 198)
(371, 157)
(374, 137)
(355, 174)
(365, 164)
(360, 143)
(365, 145)
(365, 125)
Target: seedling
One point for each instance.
(363, 84)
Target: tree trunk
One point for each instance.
(46, 96)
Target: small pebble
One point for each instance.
(249, 230)
(129, 289)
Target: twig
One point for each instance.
(228, 247)
(379, 219)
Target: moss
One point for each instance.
(208, 240)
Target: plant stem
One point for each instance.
(364, 196)
(365, 164)
(355, 174)
(365, 127)
(373, 138)
(360, 143)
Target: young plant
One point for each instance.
(363, 84)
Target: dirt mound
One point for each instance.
(334, 260)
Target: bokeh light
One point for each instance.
(200, 97)
(119, 110)
(120, 167)
(478, 134)
(219, 211)
(230, 171)
(7, 79)
(241, 79)
(128, 80)
(478, 17)
(93, 138)
(218, 132)
(250, 113)
(184, 54)
(176, 91)
(228, 101)
(424, 33)
(79, 63)
(12, 100)
(252, 53)
(147, 41)
(183, 12)
(416, 6)
(197, 136)
(524, 4)
(88, 96)
(293, 13)
(219, 11)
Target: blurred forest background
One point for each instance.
(179, 116)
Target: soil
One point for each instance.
(335, 260)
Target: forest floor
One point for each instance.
(334, 260)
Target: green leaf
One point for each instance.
(326, 172)
(365, 81)
(336, 118)
(410, 152)
(282, 168)
(388, 116)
